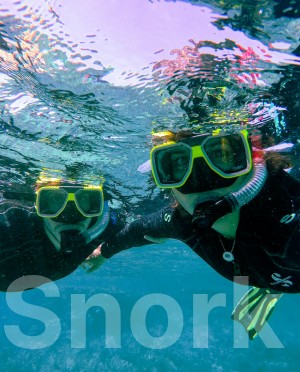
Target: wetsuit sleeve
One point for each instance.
(166, 223)
(289, 255)
(282, 227)
(293, 246)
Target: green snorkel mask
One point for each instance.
(201, 162)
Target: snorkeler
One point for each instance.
(53, 237)
(238, 209)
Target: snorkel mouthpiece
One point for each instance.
(72, 240)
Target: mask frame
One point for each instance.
(195, 148)
(67, 194)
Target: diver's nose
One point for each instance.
(70, 214)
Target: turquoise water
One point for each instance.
(128, 278)
(82, 85)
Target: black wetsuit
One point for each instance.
(267, 244)
(25, 248)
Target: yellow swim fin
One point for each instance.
(254, 309)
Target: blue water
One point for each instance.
(169, 270)
(82, 85)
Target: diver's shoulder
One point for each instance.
(284, 179)
(287, 179)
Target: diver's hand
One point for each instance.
(94, 260)
(206, 214)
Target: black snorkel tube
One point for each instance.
(206, 214)
(238, 199)
(98, 228)
(73, 241)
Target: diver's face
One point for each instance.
(207, 162)
(173, 163)
(222, 153)
(180, 163)
(203, 179)
(69, 204)
(70, 215)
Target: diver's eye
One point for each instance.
(180, 160)
(217, 153)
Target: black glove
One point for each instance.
(206, 214)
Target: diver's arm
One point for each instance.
(292, 248)
(165, 223)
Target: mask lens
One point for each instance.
(227, 154)
(172, 164)
(50, 202)
(90, 202)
